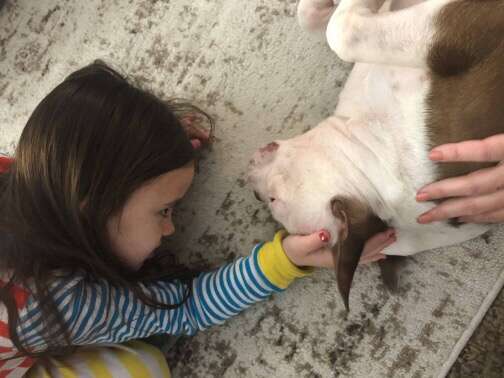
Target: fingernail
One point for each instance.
(195, 143)
(422, 196)
(424, 218)
(436, 155)
(324, 236)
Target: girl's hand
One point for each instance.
(477, 197)
(198, 134)
(312, 250)
(309, 250)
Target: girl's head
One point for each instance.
(136, 231)
(97, 170)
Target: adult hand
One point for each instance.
(376, 244)
(477, 197)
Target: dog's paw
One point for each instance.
(314, 14)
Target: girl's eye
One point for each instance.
(165, 213)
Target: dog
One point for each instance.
(425, 74)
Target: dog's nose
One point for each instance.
(261, 156)
(270, 147)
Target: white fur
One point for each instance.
(374, 146)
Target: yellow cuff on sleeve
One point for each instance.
(275, 264)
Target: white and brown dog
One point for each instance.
(426, 74)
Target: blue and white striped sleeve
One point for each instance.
(99, 313)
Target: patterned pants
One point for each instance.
(131, 359)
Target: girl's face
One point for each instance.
(136, 231)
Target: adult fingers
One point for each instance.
(483, 181)
(465, 206)
(496, 216)
(376, 244)
(377, 256)
(489, 149)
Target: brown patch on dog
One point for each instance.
(467, 72)
(359, 223)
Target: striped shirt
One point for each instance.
(215, 297)
(99, 313)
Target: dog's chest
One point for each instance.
(377, 90)
(391, 101)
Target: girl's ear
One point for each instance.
(357, 224)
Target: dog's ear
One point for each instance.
(358, 224)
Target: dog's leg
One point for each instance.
(314, 14)
(357, 33)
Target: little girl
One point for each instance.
(84, 206)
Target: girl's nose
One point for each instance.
(168, 228)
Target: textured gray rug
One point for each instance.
(250, 65)
(483, 355)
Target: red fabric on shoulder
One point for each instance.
(17, 366)
(5, 163)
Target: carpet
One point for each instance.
(262, 78)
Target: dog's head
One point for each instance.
(308, 189)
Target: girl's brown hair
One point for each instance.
(86, 148)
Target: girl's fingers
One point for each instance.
(191, 126)
(496, 216)
(304, 250)
(489, 149)
(483, 181)
(200, 133)
(196, 143)
(305, 244)
(463, 207)
(323, 258)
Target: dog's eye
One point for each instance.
(272, 199)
